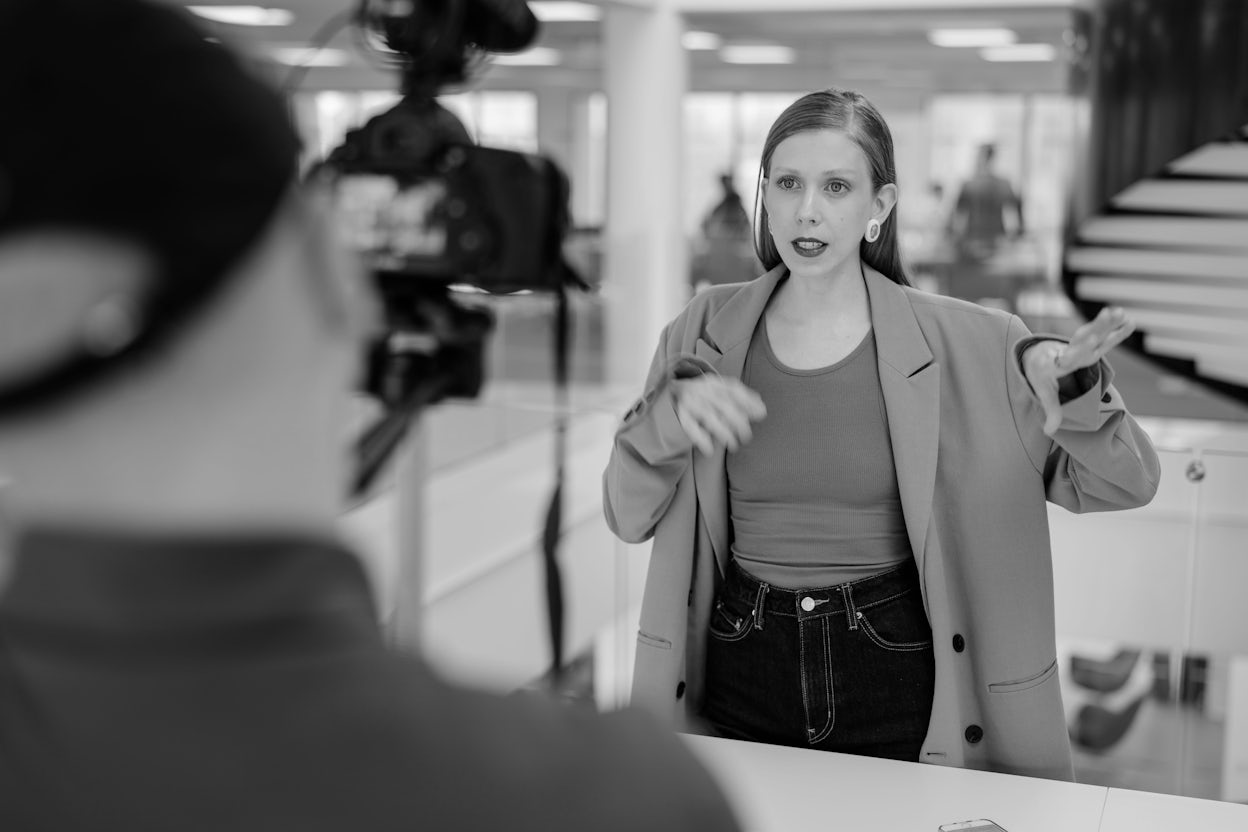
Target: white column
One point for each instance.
(645, 256)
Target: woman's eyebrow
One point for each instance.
(830, 172)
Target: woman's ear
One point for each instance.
(885, 201)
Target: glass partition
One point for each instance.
(1153, 632)
(1152, 628)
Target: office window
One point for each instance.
(325, 117)
(725, 132)
(503, 119)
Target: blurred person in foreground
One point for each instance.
(846, 479)
(184, 644)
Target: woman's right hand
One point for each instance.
(714, 409)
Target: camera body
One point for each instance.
(420, 202)
(426, 210)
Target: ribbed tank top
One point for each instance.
(813, 496)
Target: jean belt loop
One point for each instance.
(758, 605)
(851, 612)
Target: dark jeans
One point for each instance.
(845, 668)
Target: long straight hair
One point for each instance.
(849, 113)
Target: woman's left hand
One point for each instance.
(1046, 362)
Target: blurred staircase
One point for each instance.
(1172, 249)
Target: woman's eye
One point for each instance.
(837, 187)
(787, 183)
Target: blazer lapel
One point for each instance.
(724, 343)
(910, 379)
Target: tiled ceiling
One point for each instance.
(881, 49)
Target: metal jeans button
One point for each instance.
(808, 603)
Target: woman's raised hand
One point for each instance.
(713, 409)
(1047, 362)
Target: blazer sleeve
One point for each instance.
(651, 451)
(1099, 459)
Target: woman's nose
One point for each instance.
(807, 210)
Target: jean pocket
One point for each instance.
(1026, 683)
(727, 625)
(898, 624)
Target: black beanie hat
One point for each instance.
(121, 117)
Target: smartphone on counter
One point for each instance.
(981, 825)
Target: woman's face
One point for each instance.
(819, 198)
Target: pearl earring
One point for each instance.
(873, 230)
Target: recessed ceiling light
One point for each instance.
(752, 53)
(245, 15)
(1020, 52)
(563, 11)
(306, 56)
(700, 41)
(971, 37)
(537, 56)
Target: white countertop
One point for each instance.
(786, 789)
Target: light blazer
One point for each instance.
(974, 469)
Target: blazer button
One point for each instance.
(959, 643)
(1106, 399)
(974, 734)
(680, 690)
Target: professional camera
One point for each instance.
(429, 211)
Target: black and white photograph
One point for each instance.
(616, 415)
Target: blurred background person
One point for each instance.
(987, 216)
(985, 207)
(931, 210)
(728, 220)
(726, 254)
(184, 643)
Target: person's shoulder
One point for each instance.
(526, 746)
(955, 314)
(705, 304)
(715, 297)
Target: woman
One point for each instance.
(845, 479)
